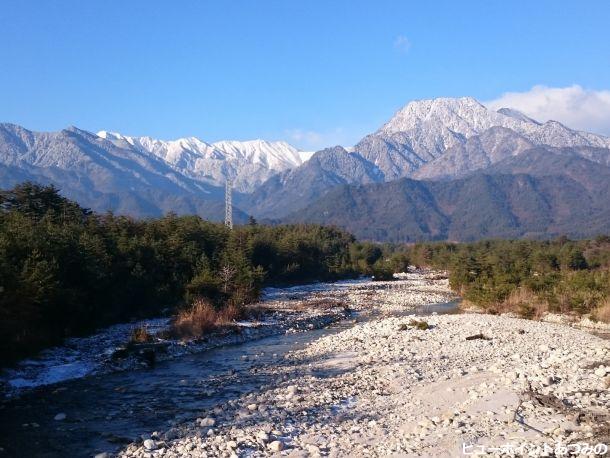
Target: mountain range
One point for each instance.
(248, 163)
(446, 168)
(140, 176)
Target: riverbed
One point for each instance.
(95, 411)
(402, 374)
(415, 385)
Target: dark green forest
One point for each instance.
(65, 271)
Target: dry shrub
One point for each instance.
(421, 325)
(202, 317)
(229, 314)
(195, 321)
(602, 312)
(320, 303)
(140, 335)
(525, 303)
(563, 302)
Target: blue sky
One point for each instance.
(314, 73)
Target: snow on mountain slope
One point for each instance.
(275, 155)
(449, 119)
(306, 155)
(248, 163)
(424, 130)
(478, 152)
(101, 175)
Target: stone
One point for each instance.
(60, 417)
(292, 389)
(150, 444)
(171, 434)
(313, 449)
(262, 436)
(207, 421)
(601, 371)
(275, 446)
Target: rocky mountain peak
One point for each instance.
(463, 115)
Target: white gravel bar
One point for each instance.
(386, 388)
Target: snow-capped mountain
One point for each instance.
(438, 139)
(478, 174)
(140, 176)
(444, 121)
(289, 191)
(424, 130)
(248, 163)
(101, 175)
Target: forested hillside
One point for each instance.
(540, 194)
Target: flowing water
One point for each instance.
(105, 412)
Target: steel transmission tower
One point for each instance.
(228, 204)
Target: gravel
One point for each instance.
(386, 387)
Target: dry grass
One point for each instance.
(202, 317)
(254, 312)
(523, 302)
(602, 312)
(140, 335)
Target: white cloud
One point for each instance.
(402, 43)
(310, 140)
(574, 106)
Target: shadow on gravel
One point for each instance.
(302, 410)
(598, 421)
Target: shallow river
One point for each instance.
(105, 412)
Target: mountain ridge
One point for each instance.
(443, 146)
(423, 130)
(247, 163)
(493, 203)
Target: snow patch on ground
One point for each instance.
(78, 357)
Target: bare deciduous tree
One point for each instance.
(226, 275)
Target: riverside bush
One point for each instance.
(527, 277)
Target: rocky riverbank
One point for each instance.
(299, 309)
(281, 310)
(110, 350)
(456, 385)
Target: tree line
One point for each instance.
(525, 276)
(65, 271)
